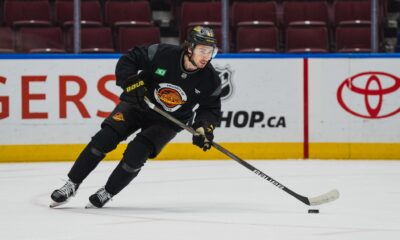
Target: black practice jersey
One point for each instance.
(170, 87)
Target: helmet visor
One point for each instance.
(205, 51)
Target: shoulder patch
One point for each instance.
(217, 91)
(152, 51)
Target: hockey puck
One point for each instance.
(313, 211)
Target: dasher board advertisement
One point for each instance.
(354, 107)
(273, 107)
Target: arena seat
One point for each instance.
(6, 40)
(353, 39)
(96, 40)
(129, 37)
(354, 11)
(127, 13)
(91, 14)
(176, 7)
(257, 39)
(305, 13)
(27, 13)
(263, 13)
(307, 39)
(40, 39)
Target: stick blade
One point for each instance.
(324, 198)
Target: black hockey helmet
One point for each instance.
(202, 35)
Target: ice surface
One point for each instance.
(199, 200)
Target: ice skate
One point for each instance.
(99, 199)
(64, 194)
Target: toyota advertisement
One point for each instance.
(359, 102)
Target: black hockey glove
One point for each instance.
(205, 134)
(134, 92)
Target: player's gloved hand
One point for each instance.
(205, 134)
(134, 92)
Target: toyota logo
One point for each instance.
(370, 95)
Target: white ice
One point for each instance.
(206, 200)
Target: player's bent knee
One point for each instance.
(137, 153)
(105, 140)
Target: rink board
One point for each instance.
(182, 151)
(355, 102)
(274, 106)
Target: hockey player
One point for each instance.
(176, 79)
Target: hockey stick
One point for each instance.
(311, 201)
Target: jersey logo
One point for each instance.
(183, 75)
(118, 117)
(135, 85)
(161, 72)
(197, 91)
(171, 97)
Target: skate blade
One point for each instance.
(90, 205)
(56, 204)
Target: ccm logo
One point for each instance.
(370, 95)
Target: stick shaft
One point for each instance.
(231, 155)
(260, 173)
(321, 199)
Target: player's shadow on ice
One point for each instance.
(217, 208)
